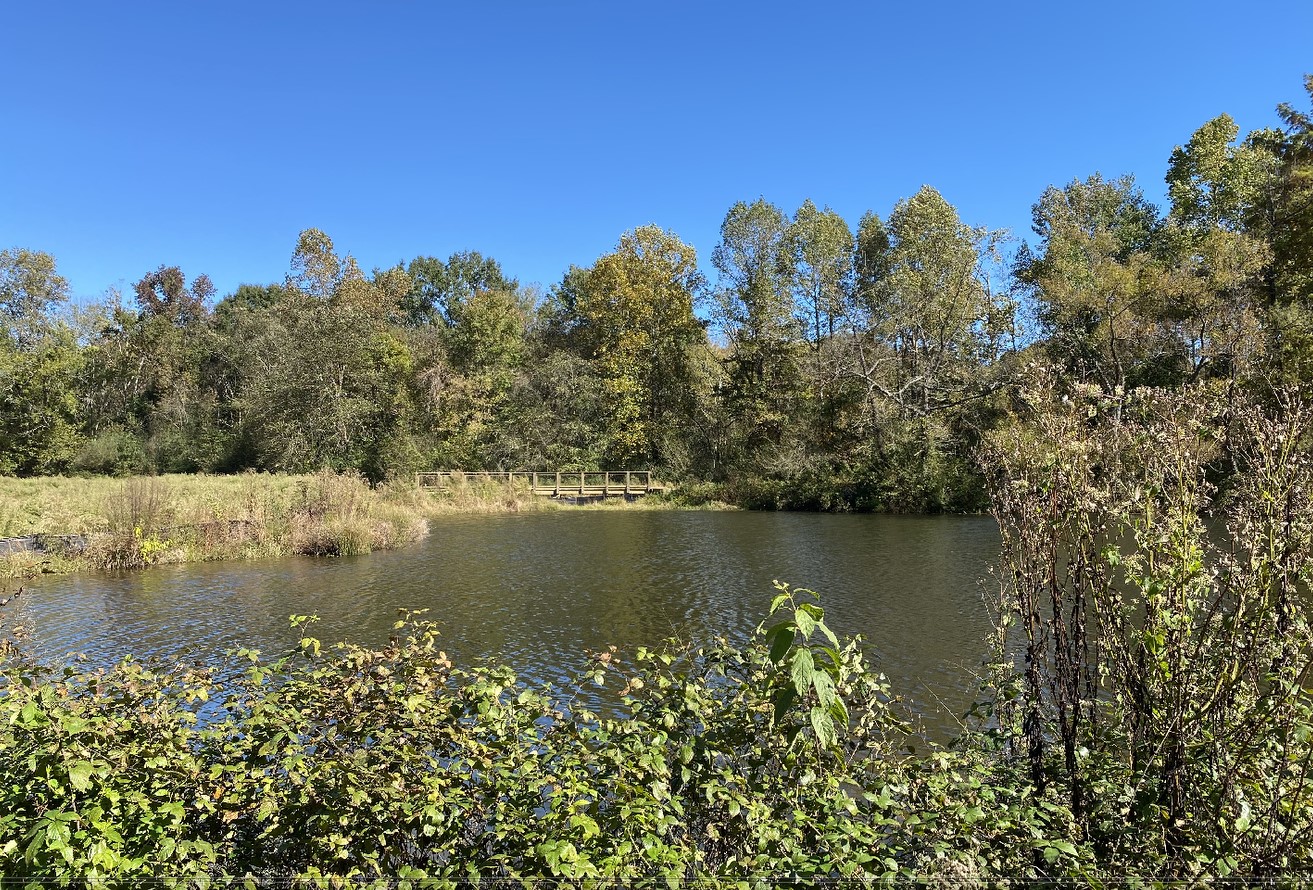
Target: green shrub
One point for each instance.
(783, 760)
(1158, 679)
(112, 452)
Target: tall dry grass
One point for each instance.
(128, 523)
(186, 518)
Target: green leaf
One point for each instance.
(812, 611)
(839, 711)
(784, 700)
(802, 669)
(824, 687)
(79, 775)
(783, 640)
(829, 634)
(806, 624)
(30, 714)
(823, 726)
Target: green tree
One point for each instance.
(148, 377)
(438, 289)
(39, 409)
(753, 310)
(30, 289)
(1214, 182)
(1096, 284)
(821, 253)
(821, 248)
(1215, 248)
(40, 366)
(1292, 242)
(928, 327)
(931, 317)
(635, 321)
(325, 382)
(471, 379)
(1293, 232)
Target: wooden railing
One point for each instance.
(576, 483)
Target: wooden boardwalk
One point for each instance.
(576, 484)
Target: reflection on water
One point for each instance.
(539, 590)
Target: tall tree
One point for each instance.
(164, 293)
(30, 288)
(821, 252)
(931, 317)
(146, 373)
(470, 381)
(753, 310)
(326, 382)
(1096, 283)
(636, 322)
(40, 365)
(821, 248)
(439, 288)
(1292, 242)
(1214, 247)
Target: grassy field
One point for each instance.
(128, 523)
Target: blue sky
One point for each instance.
(208, 135)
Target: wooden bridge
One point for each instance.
(569, 483)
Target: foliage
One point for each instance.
(30, 288)
(1145, 718)
(778, 761)
(634, 318)
(753, 311)
(1160, 633)
(39, 418)
(827, 366)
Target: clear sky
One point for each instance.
(207, 135)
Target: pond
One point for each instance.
(539, 590)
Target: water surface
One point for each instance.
(538, 590)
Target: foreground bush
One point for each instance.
(1157, 558)
(783, 759)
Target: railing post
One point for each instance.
(557, 491)
(581, 483)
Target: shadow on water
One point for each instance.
(539, 590)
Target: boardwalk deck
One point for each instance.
(569, 483)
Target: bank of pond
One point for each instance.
(56, 524)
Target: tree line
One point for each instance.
(826, 366)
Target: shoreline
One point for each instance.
(57, 525)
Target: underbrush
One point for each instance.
(784, 760)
